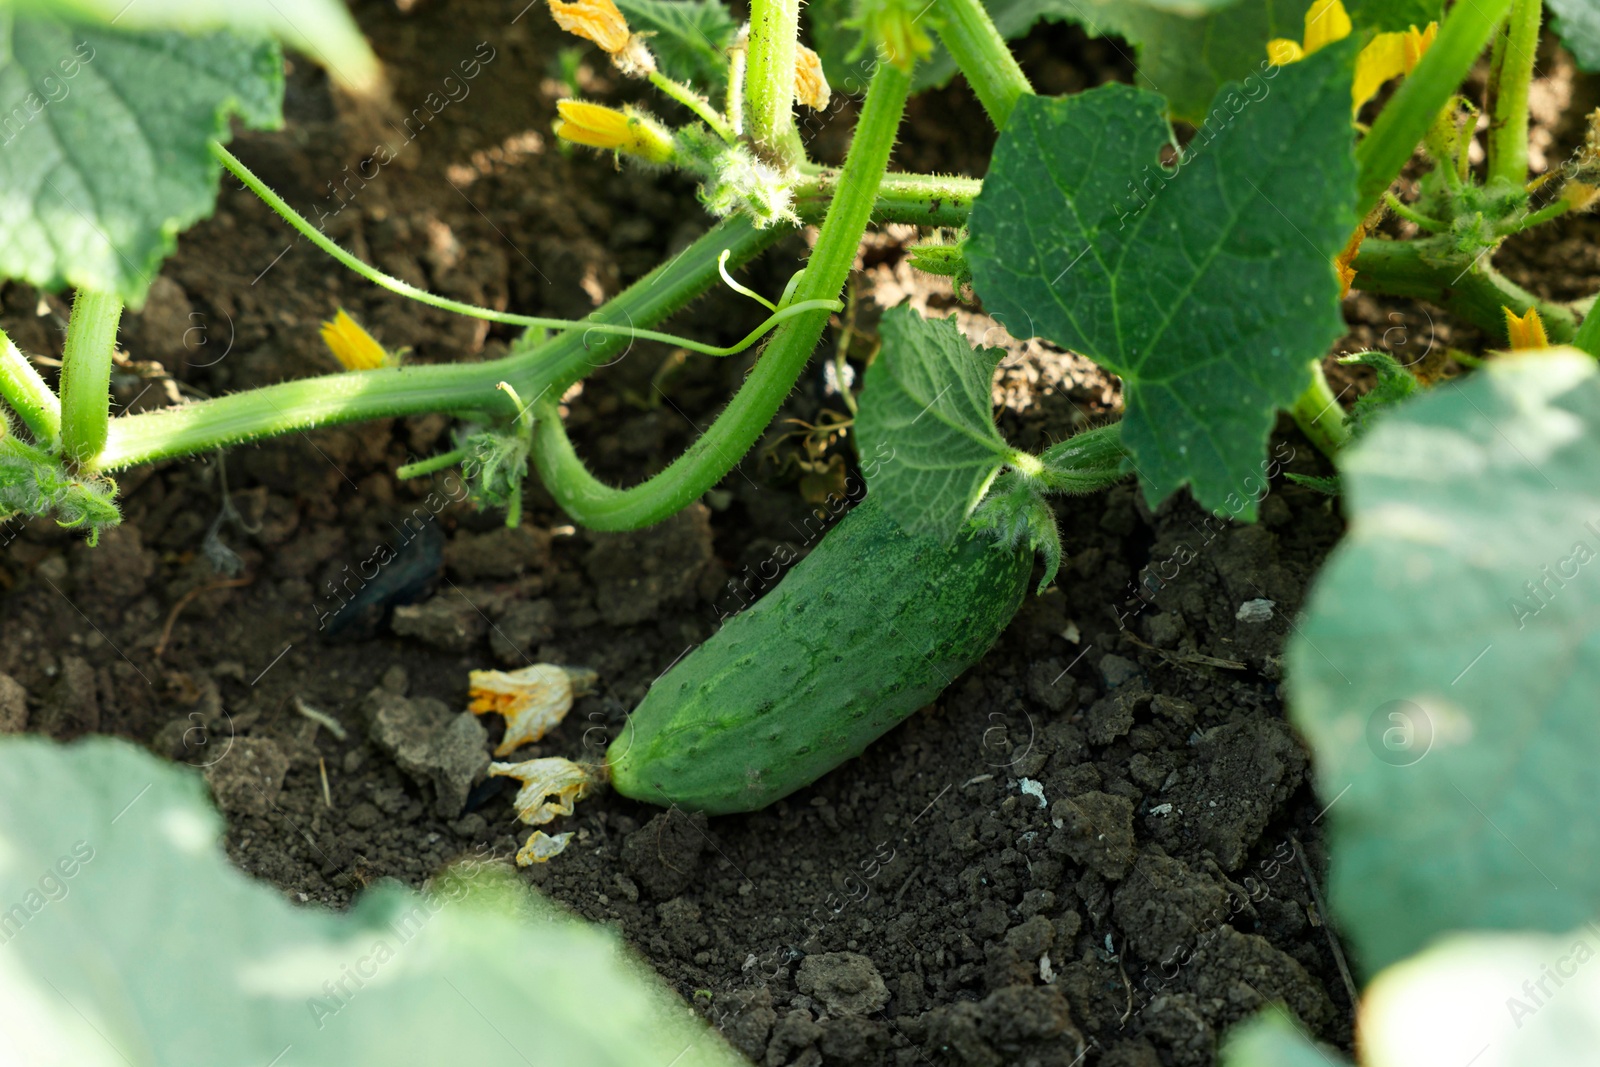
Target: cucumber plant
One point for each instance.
(1194, 235)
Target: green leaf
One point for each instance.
(1446, 669)
(129, 939)
(323, 29)
(1392, 15)
(1488, 1000)
(96, 184)
(1394, 385)
(1578, 23)
(926, 425)
(1210, 290)
(690, 37)
(1273, 1039)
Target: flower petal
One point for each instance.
(351, 345)
(1527, 330)
(533, 700)
(1281, 52)
(1326, 22)
(595, 20)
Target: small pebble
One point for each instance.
(1255, 611)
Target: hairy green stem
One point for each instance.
(769, 76)
(86, 375)
(599, 506)
(1406, 119)
(1319, 416)
(694, 102)
(1473, 290)
(422, 296)
(1510, 75)
(922, 199)
(340, 398)
(983, 56)
(28, 393)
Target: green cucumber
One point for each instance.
(868, 628)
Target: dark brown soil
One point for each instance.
(1096, 847)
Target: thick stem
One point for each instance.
(1406, 119)
(339, 398)
(1507, 104)
(591, 502)
(29, 394)
(86, 376)
(1476, 292)
(922, 199)
(769, 76)
(1319, 416)
(983, 56)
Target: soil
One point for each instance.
(1099, 846)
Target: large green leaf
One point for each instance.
(322, 29)
(689, 37)
(1209, 290)
(1488, 1000)
(127, 939)
(1272, 1039)
(1578, 23)
(926, 425)
(1446, 671)
(103, 153)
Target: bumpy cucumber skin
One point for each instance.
(868, 628)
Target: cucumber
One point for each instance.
(868, 628)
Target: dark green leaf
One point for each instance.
(690, 40)
(95, 186)
(926, 425)
(1391, 15)
(128, 938)
(1446, 670)
(1210, 290)
(1578, 23)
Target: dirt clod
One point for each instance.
(845, 983)
(13, 705)
(447, 621)
(436, 746)
(249, 778)
(664, 854)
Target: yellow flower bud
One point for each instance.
(600, 21)
(1527, 331)
(810, 84)
(1389, 55)
(622, 131)
(1281, 51)
(1326, 22)
(351, 345)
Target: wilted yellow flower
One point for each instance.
(600, 21)
(1344, 262)
(623, 131)
(1386, 56)
(532, 700)
(351, 345)
(1527, 330)
(810, 84)
(550, 788)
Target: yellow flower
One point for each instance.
(1326, 22)
(1527, 330)
(810, 84)
(1388, 55)
(551, 787)
(605, 127)
(351, 345)
(600, 21)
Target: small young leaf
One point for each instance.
(1394, 384)
(1445, 671)
(129, 938)
(1209, 290)
(689, 37)
(926, 425)
(96, 184)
